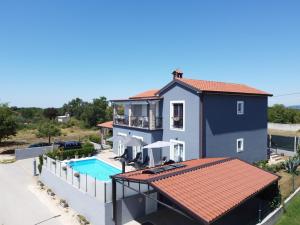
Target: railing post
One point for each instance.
(95, 187)
(104, 192)
(72, 175)
(259, 213)
(86, 183)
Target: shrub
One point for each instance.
(292, 164)
(95, 138)
(41, 162)
(271, 168)
(86, 149)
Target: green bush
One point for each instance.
(61, 154)
(271, 168)
(95, 138)
(41, 162)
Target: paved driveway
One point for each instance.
(18, 205)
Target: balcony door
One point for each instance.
(121, 146)
(177, 151)
(136, 149)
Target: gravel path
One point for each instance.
(18, 204)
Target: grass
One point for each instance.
(286, 183)
(292, 215)
(6, 161)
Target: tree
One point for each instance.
(50, 113)
(95, 112)
(75, 107)
(48, 129)
(8, 124)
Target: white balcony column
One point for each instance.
(152, 116)
(129, 115)
(114, 111)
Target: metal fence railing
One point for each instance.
(101, 190)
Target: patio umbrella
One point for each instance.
(156, 145)
(132, 141)
(117, 138)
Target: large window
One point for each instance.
(177, 115)
(177, 151)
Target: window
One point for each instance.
(177, 151)
(240, 145)
(136, 149)
(177, 115)
(240, 107)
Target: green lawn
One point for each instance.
(292, 215)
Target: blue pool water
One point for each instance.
(95, 168)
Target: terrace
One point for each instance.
(142, 114)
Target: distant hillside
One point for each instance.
(295, 107)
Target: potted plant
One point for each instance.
(76, 175)
(63, 203)
(64, 168)
(82, 220)
(54, 162)
(50, 192)
(41, 185)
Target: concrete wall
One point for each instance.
(97, 212)
(224, 126)
(31, 152)
(190, 135)
(284, 127)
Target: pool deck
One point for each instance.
(108, 156)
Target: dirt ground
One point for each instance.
(27, 137)
(284, 133)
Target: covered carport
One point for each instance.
(203, 191)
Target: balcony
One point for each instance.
(142, 122)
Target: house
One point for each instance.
(63, 119)
(202, 119)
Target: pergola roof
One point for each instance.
(207, 188)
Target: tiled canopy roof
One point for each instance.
(146, 94)
(214, 86)
(208, 188)
(108, 124)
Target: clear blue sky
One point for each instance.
(54, 50)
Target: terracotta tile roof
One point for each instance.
(214, 86)
(108, 124)
(210, 187)
(145, 95)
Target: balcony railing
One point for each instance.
(138, 122)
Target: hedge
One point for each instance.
(61, 154)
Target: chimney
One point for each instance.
(177, 74)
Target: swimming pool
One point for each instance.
(95, 168)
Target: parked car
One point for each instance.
(40, 144)
(68, 144)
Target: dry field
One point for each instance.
(27, 137)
